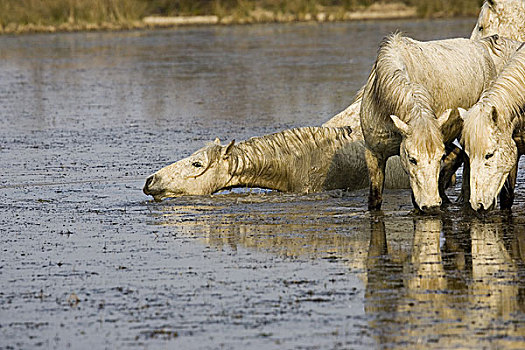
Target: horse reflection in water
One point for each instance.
(442, 282)
(278, 224)
(495, 275)
(427, 280)
(443, 296)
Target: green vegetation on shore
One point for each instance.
(52, 15)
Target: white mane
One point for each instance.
(506, 95)
(294, 160)
(399, 83)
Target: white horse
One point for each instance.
(503, 17)
(411, 83)
(301, 160)
(493, 130)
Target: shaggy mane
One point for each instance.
(427, 135)
(474, 134)
(393, 88)
(263, 156)
(506, 94)
(259, 153)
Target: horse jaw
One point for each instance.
(425, 188)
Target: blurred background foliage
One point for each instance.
(61, 12)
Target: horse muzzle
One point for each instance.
(481, 208)
(147, 186)
(429, 207)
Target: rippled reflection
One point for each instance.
(455, 290)
(429, 282)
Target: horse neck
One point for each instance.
(253, 166)
(412, 102)
(507, 92)
(285, 163)
(418, 113)
(393, 83)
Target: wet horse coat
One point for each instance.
(503, 17)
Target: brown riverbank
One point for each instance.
(375, 11)
(257, 15)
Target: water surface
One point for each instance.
(88, 261)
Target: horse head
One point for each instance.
(492, 153)
(422, 151)
(503, 17)
(204, 172)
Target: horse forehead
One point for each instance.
(480, 140)
(418, 145)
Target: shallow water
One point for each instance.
(88, 261)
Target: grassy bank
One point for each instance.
(67, 15)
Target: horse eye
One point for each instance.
(197, 164)
(412, 160)
(489, 155)
(480, 28)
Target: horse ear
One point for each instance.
(217, 141)
(496, 4)
(494, 115)
(226, 151)
(445, 116)
(462, 113)
(401, 125)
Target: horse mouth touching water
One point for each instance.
(201, 173)
(151, 189)
(491, 20)
(301, 160)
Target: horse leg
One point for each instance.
(464, 196)
(451, 164)
(378, 245)
(376, 171)
(506, 196)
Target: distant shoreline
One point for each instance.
(385, 11)
(373, 12)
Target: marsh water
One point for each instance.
(88, 261)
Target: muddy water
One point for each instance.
(88, 261)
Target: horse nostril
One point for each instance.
(149, 180)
